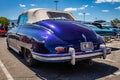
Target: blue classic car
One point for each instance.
(106, 33)
(113, 29)
(54, 36)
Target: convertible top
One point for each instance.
(39, 14)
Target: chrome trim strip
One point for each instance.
(89, 55)
(84, 37)
(43, 27)
(14, 49)
(52, 58)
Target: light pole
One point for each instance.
(56, 2)
(84, 17)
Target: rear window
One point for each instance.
(57, 15)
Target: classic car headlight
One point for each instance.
(102, 46)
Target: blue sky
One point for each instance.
(94, 9)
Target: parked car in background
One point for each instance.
(102, 32)
(106, 33)
(115, 30)
(3, 31)
(54, 36)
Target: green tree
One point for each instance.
(115, 22)
(4, 21)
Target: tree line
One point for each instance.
(5, 22)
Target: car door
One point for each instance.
(21, 23)
(12, 37)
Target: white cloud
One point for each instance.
(22, 5)
(101, 1)
(70, 9)
(87, 14)
(83, 7)
(105, 10)
(33, 5)
(83, 14)
(118, 8)
(80, 13)
(75, 9)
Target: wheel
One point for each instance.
(28, 57)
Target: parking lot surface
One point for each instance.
(108, 69)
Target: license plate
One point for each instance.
(86, 46)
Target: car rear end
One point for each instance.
(71, 42)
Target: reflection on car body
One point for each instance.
(45, 36)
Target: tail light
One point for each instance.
(58, 49)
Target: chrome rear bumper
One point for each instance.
(72, 56)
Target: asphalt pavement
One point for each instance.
(15, 66)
